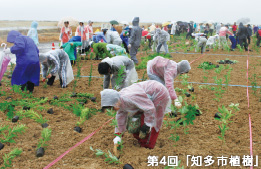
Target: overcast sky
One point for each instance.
(124, 10)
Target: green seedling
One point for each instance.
(85, 115)
(110, 158)
(120, 77)
(32, 115)
(7, 158)
(8, 134)
(46, 136)
(225, 116)
(112, 113)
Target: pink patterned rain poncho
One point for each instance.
(149, 97)
(165, 71)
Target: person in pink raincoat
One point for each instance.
(145, 102)
(90, 29)
(165, 71)
(83, 32)
(66, 33)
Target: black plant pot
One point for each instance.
(42, 98)
(78, 129)
(8, 98)
(187, 94)
(26, 108)
(181, 123)
(198, 113)
(217, 115)
(210, 63)
(173, 114)
(217, 66)
(50, 111)
(227, 61)
(55, 98)
(192, 89)
(40, 152)
(93, 99)
(74, 95)
(45, 125)
(9, 76)
(127, 166)
(1, 146)
(221, 62)
(15, 119)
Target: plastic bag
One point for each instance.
(69, 73)
(168, 108)
(132, 77)
(69, 70)
(133, 123)
(4, 60)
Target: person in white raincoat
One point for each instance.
(56, 62)
(112, 66)
(173, 28)
(161, 37)
(140, 110)
(113, 37)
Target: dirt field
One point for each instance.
(202, 139)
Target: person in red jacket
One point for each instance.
(258, 36)
(234, 28)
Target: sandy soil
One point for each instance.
(202, 139)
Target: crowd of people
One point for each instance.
(140, 106)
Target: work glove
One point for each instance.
(177, 103)
(115, 149)
(7, 51)
(144, 131)
(116, 140)
(129, 46)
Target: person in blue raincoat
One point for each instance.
(98, 36)
(27, 69)
(32, 33)
(125, 39)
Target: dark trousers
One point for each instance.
(189, 35)
(211, 31)
(73, 62)
(85, 50)
(126, 47)
(28, 86)
(150, 43)
(243, 43)
(258, 41)
(249, 40)
(51, 81)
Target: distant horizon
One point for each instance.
(129, 22)
(149, 11)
